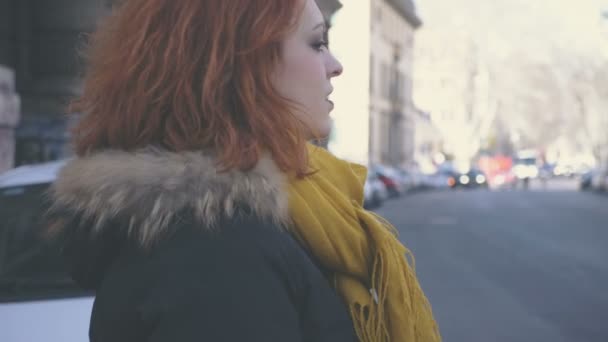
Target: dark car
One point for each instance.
(599, 180)
(586, 180)
(474, 178)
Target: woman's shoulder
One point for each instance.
(238, 236)
(151, 200)
(239, 254)
(246, 280)
(244, 243)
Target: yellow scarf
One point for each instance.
(369, 267)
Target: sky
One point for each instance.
(520, 41)
(536, 26)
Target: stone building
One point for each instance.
(375, 114)
(9, 117)
(39, 43)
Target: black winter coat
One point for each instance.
(176, 251)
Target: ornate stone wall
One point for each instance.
(9, 117)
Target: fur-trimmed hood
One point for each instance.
(148, 188)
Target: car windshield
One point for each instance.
(29, 265)
(526, 161)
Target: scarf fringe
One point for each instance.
(420, 326)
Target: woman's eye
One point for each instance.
(320, 45)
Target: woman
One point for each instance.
(197, 210)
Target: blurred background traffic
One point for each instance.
(483, 125)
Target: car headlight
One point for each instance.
(464, 179)
(480, 179)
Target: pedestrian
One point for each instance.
(196, 207)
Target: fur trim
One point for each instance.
(149, 187)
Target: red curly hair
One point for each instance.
(191, 75)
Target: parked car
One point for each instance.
(393, 182)
(38, 299)
(374, 191)
(599, 180)
(426, 181)
(404, 180)
(408, 179)
(415, 179)
(586, 179)
(439, 180)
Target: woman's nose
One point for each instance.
(335, 67)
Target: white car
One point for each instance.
(439, 180)
(38, 299)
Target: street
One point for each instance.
(510, 266)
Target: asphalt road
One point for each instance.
(510, 265)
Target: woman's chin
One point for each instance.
(325, 131)
(321, 130)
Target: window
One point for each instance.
(386, 80)
(394, 81)
(398, 86)
(385, 136)
(30, 267)
(40, 140)
(407, 87)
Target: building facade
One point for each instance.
(39, 44)
(392, 112)
(9, 117)
(374, 115)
